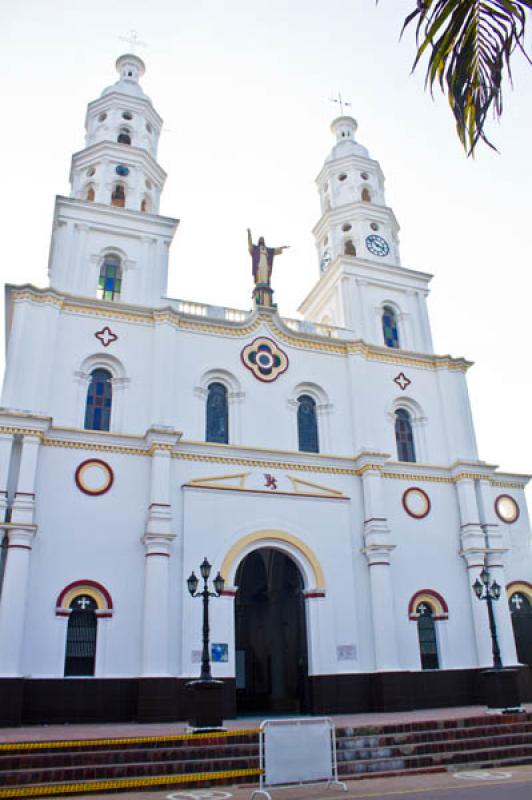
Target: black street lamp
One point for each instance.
(192, 583)
(489, 593)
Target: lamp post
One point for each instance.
(502, 691)
(207, 693)
(489, 593)
(192, 583)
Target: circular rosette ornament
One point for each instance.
(265, 359)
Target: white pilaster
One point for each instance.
(378, 548)
(155, 631)
(13, 600)
(24, 502)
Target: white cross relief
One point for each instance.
(517, 601)
(84, 602)
(422, 608)
(402, 381)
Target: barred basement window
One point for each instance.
(99, 401)
(217, 416)
(403, 436)
(428, 644)
(80, 655)
(307, 425)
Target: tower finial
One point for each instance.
(133, 39)
(341, 102)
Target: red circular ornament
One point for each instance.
(416, 502)
(94, 477)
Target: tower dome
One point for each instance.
(130, 68)
(344, 129)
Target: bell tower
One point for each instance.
(357, 240)
(110, 225)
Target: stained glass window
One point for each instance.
(404, 436)
(99, 401)
(426, 631)
(217, 423)
(110, 281)
(81, 637)
(307, 425)
(389, 327)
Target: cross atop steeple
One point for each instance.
(341, 102)
(133, 39)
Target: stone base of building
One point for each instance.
(28, 701)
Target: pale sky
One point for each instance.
(243, 87)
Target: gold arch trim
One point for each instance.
(90, 591)
(277, 536)
(431, 600)
(519, 586)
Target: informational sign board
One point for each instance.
(295, 752)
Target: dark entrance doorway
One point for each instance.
(521, 612)
(270, 633)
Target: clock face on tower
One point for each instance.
(377, 245)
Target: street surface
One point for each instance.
(512, 783)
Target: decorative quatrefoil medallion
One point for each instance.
(402, 381)
(265, 359)
(106, 336)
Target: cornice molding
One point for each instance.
(167, 314)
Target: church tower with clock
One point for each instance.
(327, 466)
(357, 240)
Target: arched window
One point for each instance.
(404, 436)
(124, 136)
(217, 422)
(90, 194)
(521, 611)
(145, 205)
(99, 401)
(426, 631)
(390, 330)
(349, 248)
(307, 424)
(366, 196)
(80, 652)
(118, 197)
(110, 281)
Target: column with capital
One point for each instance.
(473, 550)
(497, 546)
(157, 540)
(20, 532)
(378, 548)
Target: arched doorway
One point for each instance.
(270, 634)
(521, 611)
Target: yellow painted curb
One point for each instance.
(123, 783)
(194, 737)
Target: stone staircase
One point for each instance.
(38, 769)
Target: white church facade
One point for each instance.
(327, 467)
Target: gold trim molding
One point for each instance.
(277, 536)
(311, 341)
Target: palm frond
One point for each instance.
(469, 45)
